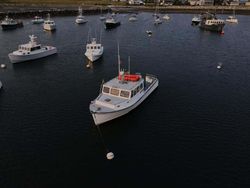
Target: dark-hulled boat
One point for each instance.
(211, 23)
(111, 23)
(9, 23)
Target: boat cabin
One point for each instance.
(29, 48)
(49, 22)
(122, 89)
(93, 45)
(214, 22)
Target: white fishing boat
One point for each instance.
(196, 20)
(166, 17)
(210, 22)
(121, 94)
(9, 24)
(232, 19)
(157, 20)
(111, 22)
(49, 24)
(37, 20)
(133, 18)
(94, 50)
(31, 51)
(80, 19)
(102, 17)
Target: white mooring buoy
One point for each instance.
(3, 66)
(219, 66)
(110, 155)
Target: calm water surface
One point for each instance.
(193, 131)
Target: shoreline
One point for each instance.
(23, 10)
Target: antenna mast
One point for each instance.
(119, 62)
(129, 64)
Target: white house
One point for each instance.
(136, 2)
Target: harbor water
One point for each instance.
(192, 131)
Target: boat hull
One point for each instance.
(100, 118)
(231, 21)
(112, 25)
(214, 28)
(11, 26)
(49, 27)
(81, 21)
(195, 22)
(37, 21)
(14, 58)
(93, 56)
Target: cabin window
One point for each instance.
(91, 47)
(98, 47)
(114, 91)
(105, 89)
(132, 94)
(141, 86)
(35, 48)
(137, 89)
(124, 94)
(94, 47)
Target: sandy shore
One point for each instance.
(67, 10)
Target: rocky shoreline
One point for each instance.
(70, 10)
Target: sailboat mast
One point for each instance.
(101, 36)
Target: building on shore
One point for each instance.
(136, 2)
(201, 2)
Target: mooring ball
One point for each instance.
(110, 155)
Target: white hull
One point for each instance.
(17, 58)
(49, 27)
(81, 21)
(232, 20)
(102, 18)
(100, 118)
(93, 57)
(166, 17)
(37, 21)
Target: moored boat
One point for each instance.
(9, 24)
(166, 17)
(121, 94)
(133, 18)
(37, 20)
(80, 19)
(232, 19)
(49, 24)
(196, 20)
(94, 50)
(211, 23)
(31, 51)
(111, 22)
(157, 20)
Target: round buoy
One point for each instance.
(88, 65)
(3, 66)
(110, 155)
(219, 66)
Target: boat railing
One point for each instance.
(149, 80)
